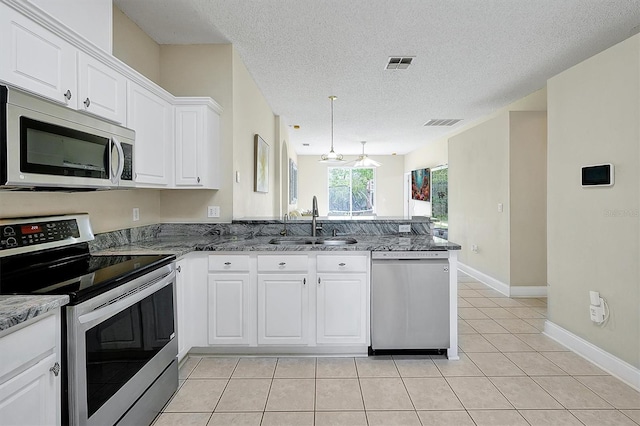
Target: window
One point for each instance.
(440, 194)
(351, 191)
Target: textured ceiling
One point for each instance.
(471, 57)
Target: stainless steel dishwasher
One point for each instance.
(409, 300)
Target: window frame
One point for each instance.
(351, 169)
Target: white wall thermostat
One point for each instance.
(597, 175)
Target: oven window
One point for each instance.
(120, 346)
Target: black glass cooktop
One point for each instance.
(73, 271)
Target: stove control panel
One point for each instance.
(36, 233)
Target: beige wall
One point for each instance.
(389, 177)
(501, 162)
(209, 74)
(593, 233)
(135, 48)
(528, 198)
(478, 181)
(251, 116)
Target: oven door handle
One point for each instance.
(119, 303)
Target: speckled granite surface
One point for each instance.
(18, 309)
(183, 245)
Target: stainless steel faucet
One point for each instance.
(314, 215)
(284, 219)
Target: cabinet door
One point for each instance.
(342, 308)
(101, 89)
(190, 133)
(35, 59)
(283, 309)
(181, 308)
(32, 397)
(228, 309)
(152, 119)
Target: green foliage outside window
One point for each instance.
(440, 194)
(351, 191)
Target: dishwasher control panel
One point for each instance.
(431, 254)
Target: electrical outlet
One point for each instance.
(404, 228)
(213, 211)
(500, 207)
(136, 214)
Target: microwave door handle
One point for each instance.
(115, 178)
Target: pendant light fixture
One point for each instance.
(363, 160)
(331, 157)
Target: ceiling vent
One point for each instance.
(399, 62)
(442, 122)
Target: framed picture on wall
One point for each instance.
(293, 182)
(420, 185)
(261, 169)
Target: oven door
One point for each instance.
(119, 343)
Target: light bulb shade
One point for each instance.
(366, 162)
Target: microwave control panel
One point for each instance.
(36, 233)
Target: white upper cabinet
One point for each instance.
(152, 119)
(197, 143)
(177, 139)
(101, 89)
(35, 59)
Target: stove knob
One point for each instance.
(11, 242)
(8, 230)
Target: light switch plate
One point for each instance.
(404, 228)
(136, 214)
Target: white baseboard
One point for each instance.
(528, 291)
(511, 291)
(603, 359)
(484, 278)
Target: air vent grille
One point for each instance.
(442, 122)
(399, 62)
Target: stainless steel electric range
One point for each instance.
(120, 362)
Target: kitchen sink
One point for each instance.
(318, 241)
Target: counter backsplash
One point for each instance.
(255, 228)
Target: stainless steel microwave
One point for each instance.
(45, 145)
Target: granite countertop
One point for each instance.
(18, 309)
(186, 244)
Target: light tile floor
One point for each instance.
(508, 374)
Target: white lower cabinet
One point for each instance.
(30, 391)
(228, 297)
(283, 309)
(342, 299)
(341, 308)
(299, 303)
(182, 269)
(228, 300)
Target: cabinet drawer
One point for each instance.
(281, 263)
(342, 263)
(27, 344)
(225, 262)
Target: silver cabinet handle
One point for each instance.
(179, 268)
(198, 179)
(55, 369)
(304, 281)
(341, 264)
(318, 280)
(67, 95)
(87, 102)
(282, 263)
(227, 263)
